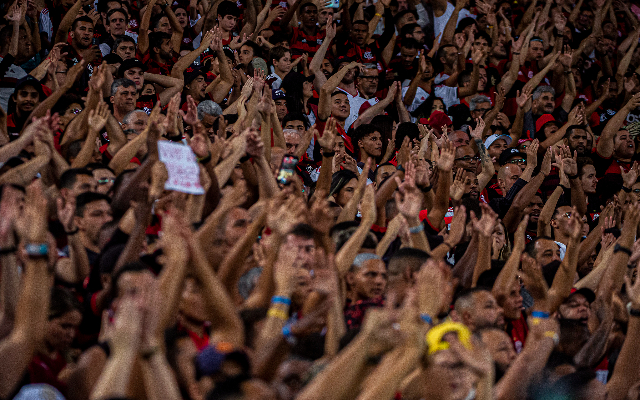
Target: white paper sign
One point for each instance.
(182, 166)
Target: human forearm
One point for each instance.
(547, 211)
(67, 21)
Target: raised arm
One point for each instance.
(143, 31)
(348, 252)
(33, 305)
(67, 22)
(179, 67)
(605, 144)
(324, 103)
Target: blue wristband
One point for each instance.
(540, 314)
(286, 330)
(426, 318)
(281, 300)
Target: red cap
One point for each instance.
(543, 120)
(437, 119)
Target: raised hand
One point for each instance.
(630, 178)
(545, 168)
(459, 185)
(98, 117)
(476, 133)
(330, 29)
(447, 157)
(328, 138)
(487, 221)
(532, 154)
(408, 197)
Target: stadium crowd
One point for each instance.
(319, 199)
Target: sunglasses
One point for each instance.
(468, 158)
(518, 161)
(76, 111)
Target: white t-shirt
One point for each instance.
(355, 102)
(448, 94)
(440, 22)
(14, 72)
(44, 21)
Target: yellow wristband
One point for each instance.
(554, 336)
(276, 313)
(378, 15)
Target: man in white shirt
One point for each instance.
(367, 86)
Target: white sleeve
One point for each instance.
(44, 21)
(104, 48)
(419, 98)
(448, 94)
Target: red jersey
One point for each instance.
(301, 43)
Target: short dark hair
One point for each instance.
(156, 20)
(401, 259)
(295, 116)
(69, 177)
(156, 38)
(485, 36)
(362, 131)
(408, 30)
(84, 18)
(136, 266)
(120, 10)
(94, 166)
(62, 302)
(375, 172)
(277, 53)
(121, 39)
(87, 198)
(257, 51)
(303, 230)
(102, 4)
(228, 8)
(573, 128)
(410, 43)
(530, 248)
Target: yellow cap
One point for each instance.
(435, 335)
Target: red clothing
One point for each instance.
(43, 369)
(518, 330)
(301, 43)
(154, 67)
(347, 140)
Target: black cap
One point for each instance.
(192, 73)
(112, 58)
(130, 63)
(508, 154)
(30, 81)
(586, 292)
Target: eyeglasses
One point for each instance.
(567, 215)
(636, 190)
(76, 111)
(518, 161)
(104, 181)
(468, 158)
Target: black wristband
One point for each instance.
(205, 159)
(244, 159)
(328, 154)
(626, 189)
(634, 313)
(175, 138)
(8, 250)
(576, 176)
(426, 189)
(73, 232)
(617, 248)
(400, 168)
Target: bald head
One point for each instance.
(508, 175)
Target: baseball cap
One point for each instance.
(586, 292)
(508, 154)
(436, 120)
(192, 73)
(543, 120)
(130, 63)
(489, 141)
(210, 360)
(277, 94)
(112, 58)
(30, 81)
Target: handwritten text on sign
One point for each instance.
(184, 173)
